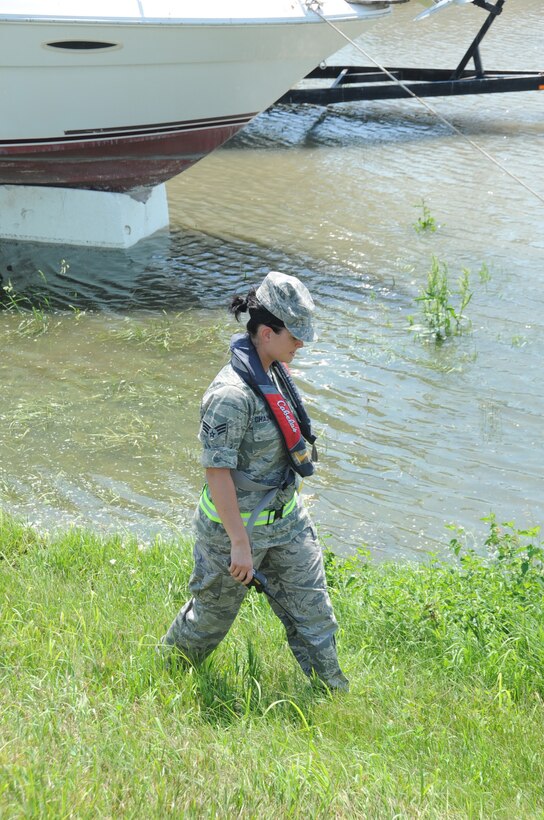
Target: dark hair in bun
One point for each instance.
(258, 315)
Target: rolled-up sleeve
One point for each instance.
(224, 418)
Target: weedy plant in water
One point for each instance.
(444, 316)
(167, 332)
(156, 332)
(34, 319)
(36, 322)
(426, 222)
(519, 341)
(29, 415)
(131, 431)
(484, 274)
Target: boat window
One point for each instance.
(81, 45)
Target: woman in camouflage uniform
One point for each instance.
(240, 438)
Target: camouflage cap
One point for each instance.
(289, 300)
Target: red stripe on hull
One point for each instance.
(110, 164)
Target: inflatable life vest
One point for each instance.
(288, 414)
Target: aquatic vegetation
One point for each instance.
(156, 332)
(10, 299)
(484, 274)
(443, 317)
(7, 489)
(34, 323)
(35, 319)
(33, 309)
(132, 430)
(426, 222)
(145, 390)
(167, 332)
(32, 414)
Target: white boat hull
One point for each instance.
(155, 98)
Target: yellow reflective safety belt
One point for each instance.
(265, 516)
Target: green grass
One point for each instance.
(445, 717)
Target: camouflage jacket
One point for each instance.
(236, 432)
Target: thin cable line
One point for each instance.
(430, 108)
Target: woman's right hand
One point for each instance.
(241, 563)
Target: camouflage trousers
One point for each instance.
(295, 577)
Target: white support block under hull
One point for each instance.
(71, 216)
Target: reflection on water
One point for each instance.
(101, 383)
(175, 271)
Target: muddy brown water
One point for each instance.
(100, 387)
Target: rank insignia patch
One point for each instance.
(212, 433)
